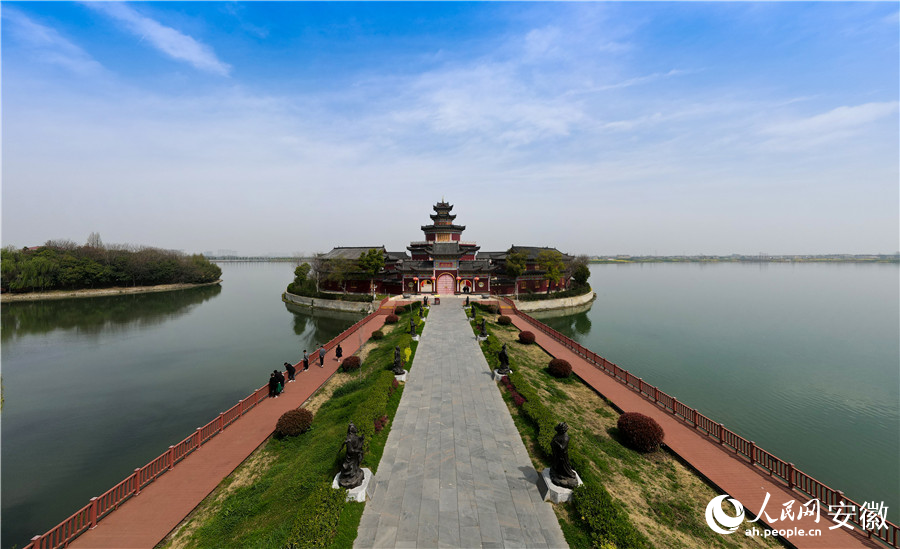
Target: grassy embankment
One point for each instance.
(281, 496)
(629, 499)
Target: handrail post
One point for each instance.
(241, 407)
(640, 386)
(752, 453)
(221, 421)
(791, 480)
(656, 395)
(36, 542)
(171, 457)
(674, 406)
(137, 481)
(721, 433)
(93, 513)
(694, 418)
(197, 437)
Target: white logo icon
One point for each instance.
(719, 521)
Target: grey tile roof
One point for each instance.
(349, 253)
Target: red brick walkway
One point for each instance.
(731, 474)
(145, 519)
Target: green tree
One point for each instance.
(515, 266)
(578, 269)
(371, 263)
(551, 262)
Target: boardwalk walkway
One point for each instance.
(731, 474)
(455, 472)
(144, 520)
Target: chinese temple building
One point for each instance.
(444, 264)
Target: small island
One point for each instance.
(62, 269)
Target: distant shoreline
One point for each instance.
(98, 292)
(746, 259)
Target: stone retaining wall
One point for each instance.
(563, 303)
(330, 304)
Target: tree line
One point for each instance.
(64, 265)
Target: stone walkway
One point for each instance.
(455, 472)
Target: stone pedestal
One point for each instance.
(358, 493)
(557, 494)
(498, 376)
(415, 337)
(481, 338)
(402, 378)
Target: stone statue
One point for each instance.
(398, 366)
(467, 301)
(561, 472)
(351, 475)
(412, 326)
(504, 361)
(421, 312)
(483, 328)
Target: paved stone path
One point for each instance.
(455, 472)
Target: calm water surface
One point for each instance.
(96, 387)
(803, 359)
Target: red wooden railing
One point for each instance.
(88, 516)
(756, 456)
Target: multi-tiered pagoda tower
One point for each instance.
(443, 263)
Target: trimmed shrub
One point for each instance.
(559, 368)
(640, 432)
(293, 423)
(401, 309)
(351, 363)
(391, 319)
(526, 337)
(504, 320)
(377, 334)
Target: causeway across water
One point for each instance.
(455, 472)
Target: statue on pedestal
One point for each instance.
(561, 472)
(398, 366)
(351, 475)
(412, 327)
(504, 361)
(483, 328)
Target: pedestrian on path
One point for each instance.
(290, 370)
(279, 377)
(338, 352)
(273, 385)
(321, 356)
(305, 361)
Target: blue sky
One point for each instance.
(599, 128)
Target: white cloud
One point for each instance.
(47, 45)
(837, 124)
(166, 39)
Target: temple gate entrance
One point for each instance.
(445, 284)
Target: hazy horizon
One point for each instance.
(599, 128)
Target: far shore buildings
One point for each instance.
(442, 264)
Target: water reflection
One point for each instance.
(95, 315)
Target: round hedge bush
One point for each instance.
(293, 422)
(377, 334)
(504, 320)
(560, 368)
(640, 432)
(526, 337)
(351, 363)
(391, 319)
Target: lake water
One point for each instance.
(97, 387)
(803, 359)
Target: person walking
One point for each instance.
(305, 361)
(321, 356)
(279, 377)
(338, 352)
(290, 370)
(273, 386)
